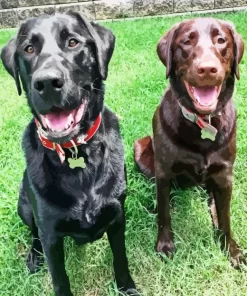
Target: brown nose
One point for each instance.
(206, 69)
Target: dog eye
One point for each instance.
(73, 42)
(29, 49)
(221, 40)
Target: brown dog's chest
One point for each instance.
(195, 169)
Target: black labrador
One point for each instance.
(75, 181)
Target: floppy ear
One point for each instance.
(238, 52)
(238, 48)
(104, 40)
(9, 59)
(164, 49)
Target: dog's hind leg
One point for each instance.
(35, 257)
(144, 156)
(213, 212)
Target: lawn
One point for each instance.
(134, 87)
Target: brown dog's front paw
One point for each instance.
(235, 253)
(165, 246)
(236, 256)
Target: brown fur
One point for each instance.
(178, 153)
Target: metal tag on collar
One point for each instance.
(73, 161)
(76, 163)
(189, 115)
(209, 132)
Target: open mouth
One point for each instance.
(205, 98)
(62, 121)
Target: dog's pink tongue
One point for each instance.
(205, 95)
(59, 120)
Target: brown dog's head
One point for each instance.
(200, 55)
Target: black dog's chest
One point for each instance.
(88, 226)
(80, 232)
(78, 205)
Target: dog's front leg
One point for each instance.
(54, 253)
(220, 186)
(116, 237)
(165, 236)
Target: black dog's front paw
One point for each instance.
(35, 261)
(129, 292)
(132, 292)
(129, 289)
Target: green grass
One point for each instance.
(134, 87)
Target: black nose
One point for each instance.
(48, 81)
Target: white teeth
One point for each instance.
(192, 89)
(43, 121)
(70, 122)
(67, 126)
(204, 105)
(70, 118)
(47, 122)
(60, 130)
(199, 102)
(198, 99)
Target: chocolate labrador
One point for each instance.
(194, 127)
(75, 182)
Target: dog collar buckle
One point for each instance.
(189, 115)
(81, 139)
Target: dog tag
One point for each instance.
(209, 132)
(76, 163)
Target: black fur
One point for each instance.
(56, 201)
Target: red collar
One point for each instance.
(82, 139)
(207, 130)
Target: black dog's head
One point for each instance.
(61, 61)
